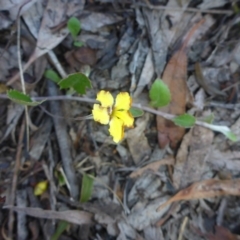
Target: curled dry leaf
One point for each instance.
(206, 189)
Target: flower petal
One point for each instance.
(125, 116)
(123, 101)
(105, 98)
(100, 114)
(116, 129)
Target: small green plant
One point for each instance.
(74, 27)
(52, 75)
(159, 95)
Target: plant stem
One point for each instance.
(90, 100)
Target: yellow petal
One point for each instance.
(123, 101)
(105, 98)
(100, 114)
(116, 129)
(125, 116)
(40, 188)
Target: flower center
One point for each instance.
(109, 110)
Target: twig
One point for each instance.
(14, 180)
(182, 228)
(223, 105)
(21, 77)
(57, 64)
(189, 9)
(63, 141)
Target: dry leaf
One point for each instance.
(146, 74)
(174, 76)
(154, 166)
(72, 216)
(221, 233)
(137, 142)
(206, 189)
(39, 139)
(192, 156)
(145, 214)
(47, 39)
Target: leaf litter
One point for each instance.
(188, 189)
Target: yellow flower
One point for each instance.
(117, 117)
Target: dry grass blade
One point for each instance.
(72, 216)
(206, 189)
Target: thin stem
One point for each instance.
(90, 100)
(21, 76)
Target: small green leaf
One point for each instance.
(74, 26)
(230, 135)
(87, 186)
(78, 81)
(60, 229)
(185, 120)
(224, 130)
(60, 177)
(78, 44)
(52, 75)
(19, 97)
(136, 112)
(159, 94)
(208, 119)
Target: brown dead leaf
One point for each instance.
(206, 189)
(72, 216)
(221, 233)
(174, 76)
(39, 139)
(154, 166)
(191, 158)
(137, 142)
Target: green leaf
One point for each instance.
(60, 177)
(78, 44)
(19, 97)
(60, 229)
(224, 130)
(185, 120)
(87, 186)
(74, 26)
(136, 112)
(159, 94)
(78, 81)
(52, 75)
(208, 119)
(231, 136)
